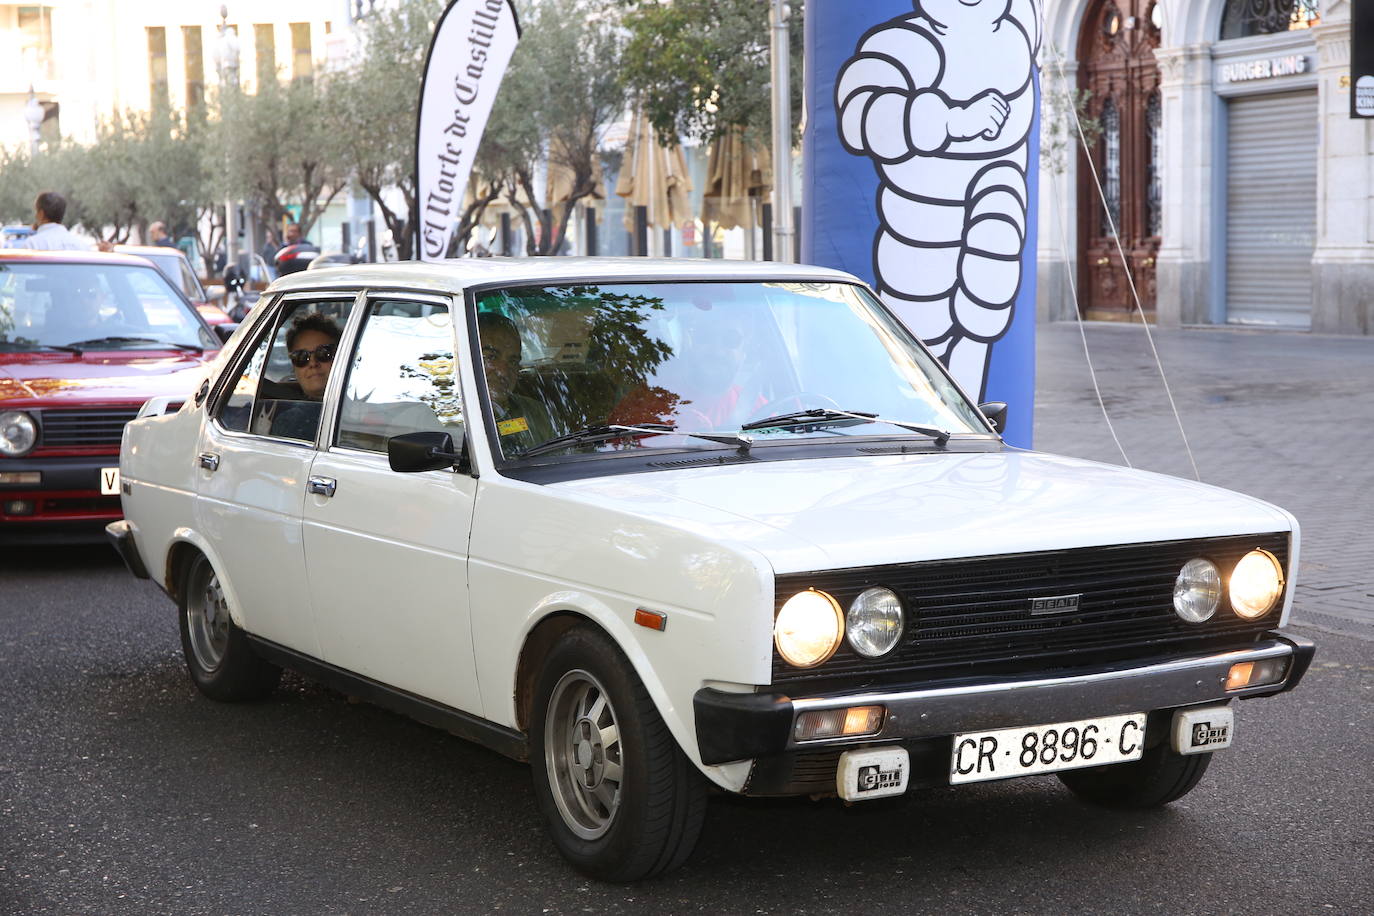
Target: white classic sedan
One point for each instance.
(663, 526)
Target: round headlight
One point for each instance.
(808, 629)
(1256, 584)
(18, 433)
(874, 622)
(1197, 590)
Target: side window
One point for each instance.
(236, 411)
(282, 384)
(403, 378)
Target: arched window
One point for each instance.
(1111, 167)
(1244, 18)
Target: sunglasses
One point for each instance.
(324, 353)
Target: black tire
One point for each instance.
(648, 821)
(1156, 779)
(219, 656)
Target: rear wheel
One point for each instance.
(218, 654)
(1157, 778)
(621, 800)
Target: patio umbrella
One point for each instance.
(654, 177)
(737, 171)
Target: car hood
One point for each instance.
(837, 513)
(44, 380)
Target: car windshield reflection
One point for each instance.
(668, 362)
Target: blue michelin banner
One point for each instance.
(921, 158)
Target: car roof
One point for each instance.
(457, 274)
(74, 257)
(151, 249)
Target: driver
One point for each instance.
(521, 421)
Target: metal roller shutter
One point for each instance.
(1271, 209)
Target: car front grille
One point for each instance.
(972, 616)
(95, 426)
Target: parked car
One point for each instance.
(655, 526)
(176, 268)
(14, 233)
(85, 340)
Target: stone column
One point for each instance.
(1343, 263)
(1057, 252)
(1183, 268)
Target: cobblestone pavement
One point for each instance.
(1287, 417)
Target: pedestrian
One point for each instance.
(48, 232)
(296, 252)
(157, 231)
(269, 248)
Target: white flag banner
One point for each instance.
(472, 45)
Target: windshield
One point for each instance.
(94, 306)
(703, 357)
(175, 268)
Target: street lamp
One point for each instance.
(227, 69)
(33, 115)
(779, 11)
(226, 52)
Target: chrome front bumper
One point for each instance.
(734, 726)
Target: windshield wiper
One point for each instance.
(65, 349)
(828, 416)
(617, 431)
(96, 341)
(601, 433)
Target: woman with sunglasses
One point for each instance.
(310, 343)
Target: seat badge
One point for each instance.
(1055, 604)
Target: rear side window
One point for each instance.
(281, 383)
(403, 377)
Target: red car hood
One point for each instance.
(61, 379)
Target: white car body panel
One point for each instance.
(387, 559)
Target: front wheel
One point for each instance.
(621, 800)
(219, 657)
(1157, 778)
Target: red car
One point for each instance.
(85, 340)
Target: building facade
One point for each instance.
(83, 60)
(1226, 172)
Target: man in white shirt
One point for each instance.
(49, 233)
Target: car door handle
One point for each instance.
(321, 485)
(209, 461)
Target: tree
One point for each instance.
(381, 86)
(701, 67)
(279, 147)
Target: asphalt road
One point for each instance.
(122, 790)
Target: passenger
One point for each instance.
(311, 343)
(521, 421)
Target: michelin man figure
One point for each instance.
(942, 101)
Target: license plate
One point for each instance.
(1046, 748)
(109, 481)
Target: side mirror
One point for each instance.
(996, 412)
(215, 292)
(429, 451)
(225, 331)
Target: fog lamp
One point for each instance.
(1256, 583)
(19, 507)
(20, 478)
(854, 722)
(1256, 674)
(808, 629)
